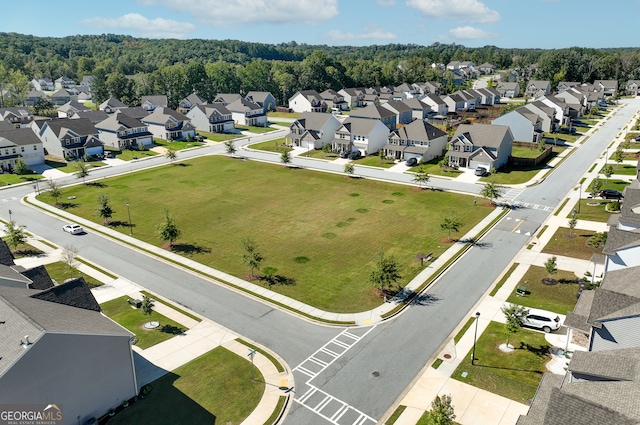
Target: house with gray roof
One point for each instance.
(632, 87)
(111, 105)
(57, 347)
(607, 87)
(562, 109)
(525, 125)
(152, 102)
(566, 85)
(70, 108)
(354, 97)
(190, 101)
(263, 98)
(456, 102)
(33, 97)
(419, 109)
(64, 82)
(67, 138)
(307, 101)
(508, 89)
(437, 105)
(334, 100)
(418, 140)
(20, 143)
(226, 98)
(404, 114)
(546, 113)
(43, 84)
(121, 131)
(93, 116)
(377, 112)
(480, 145)
(246, 112)
(537, 88)
(363, 134)
(167, 124)
(487, 68)
(212, 118)
(313, 130)
(17, 116)
(62, 96)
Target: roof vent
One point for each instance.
(26, 343)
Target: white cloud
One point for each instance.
(386, 3)
(142, 26)
(371, 33)
(470, 33)
(460, 10)
(237, 12)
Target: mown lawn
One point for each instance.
(127, 155)
(253, 129)
(72, 167)
(322, 231)
(277, 145)
(432, 168)
(374, 161)
(294, 115)
(559, 298)
(572, 244)
(593, 212)
(24, 250)
(176, 145)
(511, 174)
(624, 169)
(514, 375)
(132, 318)
(9, 179)
(522, 152)
(214, 388)
(60, 271)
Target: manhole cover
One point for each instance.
(375, 374)
(447, 356)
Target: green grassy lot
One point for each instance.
(132, 318)
(283, 115)
(559, 298)
(214, 388)
(374, 161)
(593, 213)
(571, 246)
(424, 420)
(277, 145)
(521, 174)
(630, 156)
(25, 250)
(321, 230)
(318, 153)
(470, 321)
(432, 168)
(514, 375)
(176, 145)
(252, 129)
(127, 155)
(71, 167)
(396, 414)
(219, 137)
(284, 124)
(59, 272)
(157, 300)
(522, 152)
(625, 169)
(9, 179)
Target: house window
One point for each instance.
(13, 150)
(22, 149)
(35, 147)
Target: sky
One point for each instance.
(545, 24)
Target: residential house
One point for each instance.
(93, 116)
(212, 118)
(575, 99)
(226, 98)
(608, 87)
(20, 143)
(354, 97)
(64, 82)
(33, 97)
(70, 108)
(431, 87)
(43, 84)
(419, 109)
(377, 112)
(57, 347)
(150, 103)
(360, 134)
(134, 112)
(87, 81)
(508, 90)
(334, 100)
(418, 140)
(487, 68)
(313, 130)
(525, 125)
(485, 96)
(473, 98)
(262, 98)
(60, 97)
(190, 101)
(66, 138)
(546, 113)
(404, 114)
(307, 101)
(16, 116)
(437, 105)
(480, 145)
(562, 110)
(167, 124)
(120, 131)
(633, 87)
(566, 85)
(406, 91)
(456, 102)
(111, 105)
(536, 89)
(453, 65)
(245, 112)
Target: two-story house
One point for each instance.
(608, 87)
(537, 88)
(111, 105)
(546, 113)
(245, 112)
(167, 124)
(60, 97)
(64, 82)
(263, 98)
(334, 100)
(307, 101)
(419, 109)
(66, 138)
(404, 114)
(480, 145)
(508, 89)
(213, 118)
(418, 140)
(70, 108)
(377, 112)
(487, 68)
(365, 135)
(525, 125)
(18, 117)
(190, 101)
(632, 87)
(437, 105)
(43, 84)
(20, 143)
(313, 130)
(354, 97)
(226, 98)
(121, 131)
(150, 103)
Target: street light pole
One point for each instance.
(251, 354)
(580, 198)
(129, 214)
(475, 336)
(10, 216)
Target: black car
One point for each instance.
(355, 155)
(610, 194)
(637, 138)
(344, 154)
(411, 162)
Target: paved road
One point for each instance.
(342, 376)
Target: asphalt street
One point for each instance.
(371, 366)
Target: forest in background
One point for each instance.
(128, 68)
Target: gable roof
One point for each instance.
(6, 257)
(163, 115)
(360, 126)
(19, 137)
(118, 122)
(258, 96)
(39, 277)
(314, 120)
(483, 134)
(419, 130)
(74, 293)
(416, 104)
(158, 100)
(80, 126)
(243, 105)
(372, 111)
(227, 97)
(195, 99)
(93, 116)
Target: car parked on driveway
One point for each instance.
(411, 162)
(355, 155)
(481, 172)
(610, 194)
(344, 154)
(541, 319)
(73, 229)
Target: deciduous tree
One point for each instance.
(385, 272)
(514, 314)
(441, 412)
(252, 256)
(15, 235)
(168, 230)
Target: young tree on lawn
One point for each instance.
(421, 177)
(444, 164)
(514, 314)
(349, 169)
(82, 170)
(326, 149)
(450, 223)
(285, 157)
(618, 155)
(594, 188)
(230, 147)
(147, 307)
(21, 168)
(542, 144)
(607, 170)
(15, 235)
(252, 256)
(54, 189)
(167, 230)
(441, 412)
(104, 210)
(385, 272)
(69, 254)
(492, 191)
(573, 222)
(171, 154)
(551, 265)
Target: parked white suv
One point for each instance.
(542, 319)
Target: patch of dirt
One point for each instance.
(447, 240)
(549, 281)
(506, 348)
(381, 293)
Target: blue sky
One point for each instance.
(546, 24)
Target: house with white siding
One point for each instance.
(121, 131)
(480, 145)
(365, 135)
(437, 105)
(20, 143)
(167, 124)
(313, 130)
(525, 125)
(418, 140)
(66, 138)
(212, 118)
(307, 101)
(245, 112)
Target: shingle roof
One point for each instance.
(80, 126)
(419, 130)
(258, 96)
(483, 134)
(162, 115)
(74, 293)
(6, 257)
(617, 239)
(227, 97)
(360, 126)
(158, 100)
(372, 111)
(314, 120)
(20, 137)
(118, 122)
(39, 277)
(243, 105)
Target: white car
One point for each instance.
(74, 229)
(542, 319)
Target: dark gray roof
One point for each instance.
(483, 134)
(118, 122)
(135, 112)
(243, 105)
(162, 115)
(39, 277)
(227, 97)
(195, 99)
(617, 239)
(604, 365)
(6, 257)
(112, 103)
(359, 126)
(20, 137)
(577, 319)
(416, 104)
(372, 111)
(419, 130)
(158, 100)
(538, 408)
(74, 293)
(258, 96)
(80, 126)
(314, 120)
(397, 106)
(93, 116)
